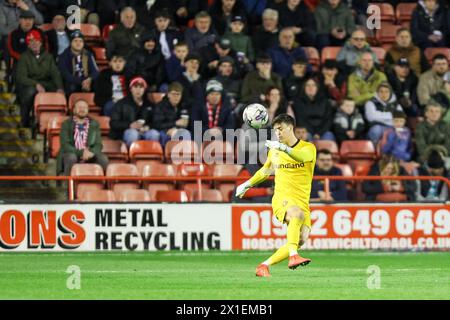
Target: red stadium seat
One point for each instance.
(122, 170)
(89, 97)
(145, 150)
(158, 169)
(153, 188)
(330, 53)
(345, 168)
(328, 145)
(386, 35)
(46, 106)
(87, 170)
(193, 170)
(211, 195)
(182, 151)
(391, 197)
(403, 12)
(172, 196)
(116, 150)
(137, 195)
(53, 130)
(357, 149)
(99, 196)
(91, 33)
(100, 57)
(217, 152)
(106, 30)
(103, 122)
(226, 170)
(431, 52)
(313, 57)
(387, 11)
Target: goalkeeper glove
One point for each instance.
(242, 189)
(278, 145)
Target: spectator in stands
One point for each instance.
(351, 52)
(348, 122)
(379, 110)
(175, 64)
(359, 11)
(211, 54)
(109, 11)
(284, 54)
(126, 36)
(191, 80)
(10, 12)
(404, 85)
(148, 62)
(403, 47)
(132, 116)
(325, 167)
(266, 36)
(333, 81)
(171, 114)
(296, 15)
(111, 85)
(167, 35)
(276, 104)
(58, 37)
(376, 189)
(430, 24)
(87, 8)
(36, 72)
(77, 66)
(432, 190)
(240, 42)
(314, 112)
(16, 38)
(335, 23)
(398, 141)
(295, 81)
(222, 12)
(302, 133)
(226, 76)
(80, 140)
(202, 34)
(432, 133)
(215, 111)
(443, 98)
(257, 82)
(432, 81)
(364, 81)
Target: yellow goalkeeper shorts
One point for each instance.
(280, 207)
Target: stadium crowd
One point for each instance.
(212, 58)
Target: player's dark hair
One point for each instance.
(324, 151)
(284, 118)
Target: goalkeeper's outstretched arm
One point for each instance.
(262, 174)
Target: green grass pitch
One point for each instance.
(224, 275)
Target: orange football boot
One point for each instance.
(262, 271)
(296, 260)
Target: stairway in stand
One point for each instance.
(20, 155)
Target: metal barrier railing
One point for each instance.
(199, 179)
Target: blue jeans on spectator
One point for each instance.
(376, 133)
(108, 108)
(131, 135)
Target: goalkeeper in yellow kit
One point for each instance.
(292, 161)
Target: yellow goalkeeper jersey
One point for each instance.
(293, 173)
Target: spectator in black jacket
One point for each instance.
(404, 82)
(226, 76)
(348, 122)
(191, 80)
(77, 65)
(175, 64)
(214, 112)
(167, 35)
(296, 14)
(148, 62)
(314, 112)
(267, 35)
(58, 38)
(442, 97)
(221, 13)
(432, 190)
(202, 34)
(172, 114)
(111, 85)
(16, 38)
(109, 11)
(132, 117)
(325, 167)
(388, 166)
(430, 25)
(295, 82)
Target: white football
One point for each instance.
(255, 115)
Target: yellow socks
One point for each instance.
(279, 255)
(293, 235)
